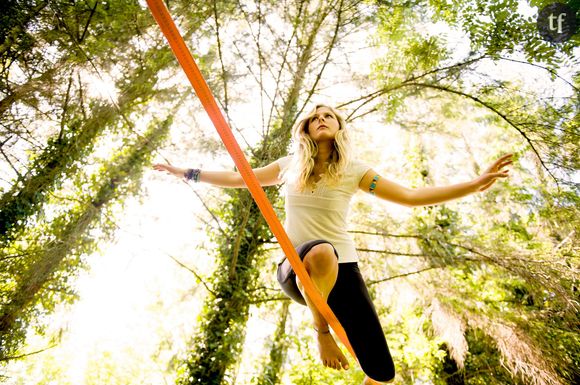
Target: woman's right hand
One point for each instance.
(179, 172)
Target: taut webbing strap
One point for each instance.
(163, 18)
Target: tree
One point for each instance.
(49, 264)
(494, 294)
(278, 349)
(244, 232)
(42, 251)
(504, 252)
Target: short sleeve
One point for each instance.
(283, 163)
(359, 169)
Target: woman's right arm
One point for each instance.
(267, 176)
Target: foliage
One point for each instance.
(44, 236)
(278, 349)
(243, 231)
(480, 291)
(37, 280)
(225, 313)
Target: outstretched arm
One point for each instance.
(425, 196)
(267, 176)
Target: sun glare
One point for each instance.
(101, 86)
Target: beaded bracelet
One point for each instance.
(373, 184)
(192, 173)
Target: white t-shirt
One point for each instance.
(322, 213)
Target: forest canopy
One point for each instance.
(113, 273)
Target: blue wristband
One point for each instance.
(373, 184)
(192, 173)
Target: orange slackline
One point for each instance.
(163, 18)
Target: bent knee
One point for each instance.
(320, 258)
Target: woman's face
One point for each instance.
(324, 125)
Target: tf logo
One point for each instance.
(557, 22)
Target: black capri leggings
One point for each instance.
(352, 305)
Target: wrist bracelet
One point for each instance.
(192, 173)
(373, 184)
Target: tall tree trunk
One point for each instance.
(278, 349)
(34, 272)
(221, 334)
(71, 237)
(57, 161)
(27, 89)
(77, 137)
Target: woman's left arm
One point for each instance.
(426, 196)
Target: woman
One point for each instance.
(320, 179)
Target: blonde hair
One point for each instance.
(305, 150)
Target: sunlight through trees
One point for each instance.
(480, 290)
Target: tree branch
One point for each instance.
(8, 159)
(255, 302)
(8, 358)
(494, 110)
(207, 208)
(554, 73)
(326, 59)
(219, 45)
(384, 90)
(197, 276)
(387, 234)
(393, 253)
(82, 37)
(282, 65)
(372, 282)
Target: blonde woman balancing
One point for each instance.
(320, 179)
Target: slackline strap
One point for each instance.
(163, 18)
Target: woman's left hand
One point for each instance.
(490, 175)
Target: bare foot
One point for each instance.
(330, 354)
